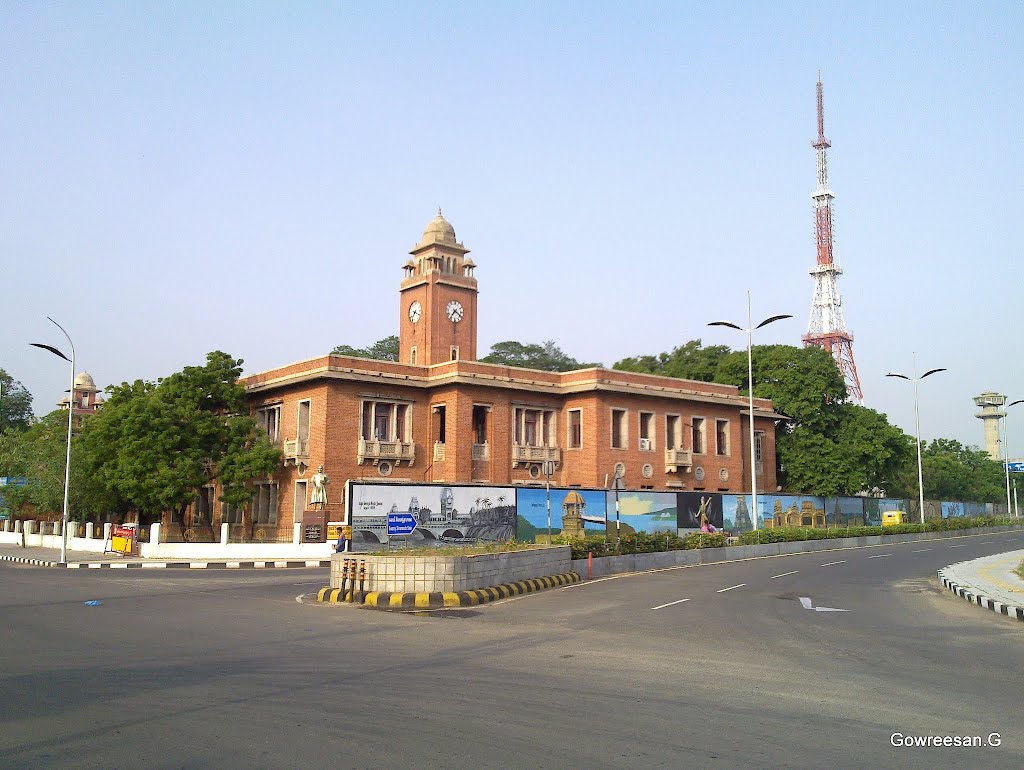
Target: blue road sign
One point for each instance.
(1016, 467)
(401, 523)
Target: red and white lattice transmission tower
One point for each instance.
(827, 328)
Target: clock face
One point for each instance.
(454, 311)
(415, 311)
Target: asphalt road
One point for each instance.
(720, 665)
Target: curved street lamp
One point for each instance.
(1006, 459)
(71, 412)
(917, 424)
(749, 329)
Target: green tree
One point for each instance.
(154, 445)
(15, 404)
(952, 471)
(382, 350)
(690, 361)
(38, 454)
(546, 357)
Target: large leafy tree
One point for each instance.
(690, 361)
(38, 455)
(15, 404)
(382, 350)
(546, 357)
(154, 445)
(952, 471)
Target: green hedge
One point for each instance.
(646, 542)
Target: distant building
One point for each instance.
(85, 398)
(438, 415)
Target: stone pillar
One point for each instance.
(297, 533)
(225, 529)
(154, 534)
(88, 530)
(106, 531)
(19, 526)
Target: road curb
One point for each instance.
(247, 564)
(404, 601)
(971, 595)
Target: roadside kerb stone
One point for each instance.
(973, 581)
(615, 565)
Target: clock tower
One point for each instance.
(438, 299)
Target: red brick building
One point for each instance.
(439, 415)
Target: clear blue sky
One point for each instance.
(250, 177)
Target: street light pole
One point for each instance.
(750, 390)
(71, 412)
(1006, 452)
(917, 425)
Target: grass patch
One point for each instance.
(1020, 571)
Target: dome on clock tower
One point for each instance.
(438, 230)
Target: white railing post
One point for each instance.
(225, 529)
(106, 531)
(88, 530)
(72, 529)
(154, 534)
(296, 533)
(19, 526)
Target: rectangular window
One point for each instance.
(673, 432)
(646, 431)
(722, 437)
(385, 421)
(455, 353)
(480, 423)
(204, 506)
(698, 435)
(300, 500)
(758, 444)
(303, 423)
(229, 514)
(264, 504)
(619, 427)
(269, 418)
(533, 427)
(412, 356)
(575, 428)
(439, 423)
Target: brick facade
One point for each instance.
(455, 421)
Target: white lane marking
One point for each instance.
(784, 574)
(723, 590)
(669, 604)
(922, 550)
(808, 605)
(880, 556)
(830, 563)
(986, 542)
(299, 599)
(962, 545)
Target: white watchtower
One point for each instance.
(990, 403)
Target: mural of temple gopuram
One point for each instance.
(804, 516)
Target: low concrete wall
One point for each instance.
(615, 565)
(430, 573)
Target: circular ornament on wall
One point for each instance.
(698, 472)
(384, 468)
(620, 470)
(534, 471)
(724, 474)
(648, 470)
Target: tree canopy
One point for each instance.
(546, 357)
(690, 361)
(15, 404)
(381, 350)
(37, 454)
(952, 471)
(154, 445)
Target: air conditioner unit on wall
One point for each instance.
(645, 444)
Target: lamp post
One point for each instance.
(1006, 458)
(71, 412)
(917, 424)
(750, 389)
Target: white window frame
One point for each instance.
(399, 414)
(673, 439)
(262, 419)
(568, 425)
(728, 443)
(702, 432)
(301, 500)
(623, 430)
(651, 429)
(546, 426)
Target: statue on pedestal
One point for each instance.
(318, 498)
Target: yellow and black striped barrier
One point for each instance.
(386, 600)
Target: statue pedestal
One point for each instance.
(314, 526)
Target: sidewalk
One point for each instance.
(989, 582)
(50, 557)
